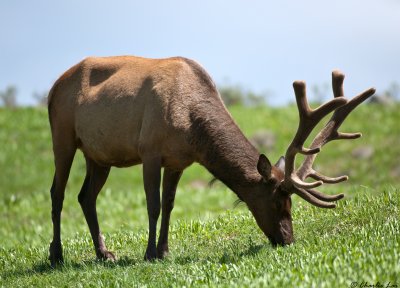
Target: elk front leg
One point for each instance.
(170, 182)
(96, 176)
(151, 179)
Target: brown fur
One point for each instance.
(123, 111)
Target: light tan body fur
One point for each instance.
(121, 108)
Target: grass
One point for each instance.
(211, 243)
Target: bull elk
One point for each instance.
(123, 111)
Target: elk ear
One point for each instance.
(281, 164)
(264, 167)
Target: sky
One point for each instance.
(261, 45)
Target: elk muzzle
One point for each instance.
(282, 234)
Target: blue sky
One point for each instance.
(261, 45)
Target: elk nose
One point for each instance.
(280, 240)
(272, 240)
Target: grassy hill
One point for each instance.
(211, 242)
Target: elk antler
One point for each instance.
(294, 180)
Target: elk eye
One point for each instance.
(284, 192)
(272, 181)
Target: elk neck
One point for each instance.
(222, 148)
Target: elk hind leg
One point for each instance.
(95, 178)
(63, 162)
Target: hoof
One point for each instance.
(162, 252)
(150, 255)
(56, 257)
(106, 255)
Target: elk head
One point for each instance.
(271, 203)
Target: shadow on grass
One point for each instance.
(44, 267)
(227, 256)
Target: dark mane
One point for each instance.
(221, 144)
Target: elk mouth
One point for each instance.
(284, 235)
(280, 241)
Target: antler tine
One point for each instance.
(308, 120)
(323, 197)
(329, 133)
(340, 115)
(337, 83)
(318, 176)
(313, 198)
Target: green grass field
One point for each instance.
(211, 242)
